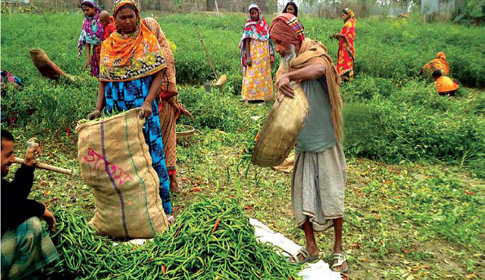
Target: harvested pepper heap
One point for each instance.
(211, 239)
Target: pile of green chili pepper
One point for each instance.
(212, 239)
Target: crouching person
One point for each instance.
(26, 247)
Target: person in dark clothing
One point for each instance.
(26, 247)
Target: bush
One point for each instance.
(412, 124)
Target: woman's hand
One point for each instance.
(249, 62)
(88, 62)
(93, 115)
(146, 110)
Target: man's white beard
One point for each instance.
(289, 57)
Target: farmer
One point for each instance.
(108, 23)
(91, 35)
(132, 71)
(346, 48)
(257, 57)
(169, 107)
(444, 84)
(439, 63)
(26, 247)
(320, 171)
(291, 8)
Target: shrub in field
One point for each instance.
(413, 123)
(213, 109)
(366, 88)
(46, 105)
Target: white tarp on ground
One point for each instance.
(316, 271)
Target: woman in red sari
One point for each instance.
(346, 49)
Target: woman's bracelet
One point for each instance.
(147, 103)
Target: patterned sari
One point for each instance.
(169, 108)
(92, 33)
(346, 49)
(127, 65)
(257, 81)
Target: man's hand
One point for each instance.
(284, 88)
(146, 110)
(50, 219)
(31, 154)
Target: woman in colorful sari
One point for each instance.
(346, 48)
(169, 107)
(439, 63)
(91, 34)
(132, 71)
(257, 57)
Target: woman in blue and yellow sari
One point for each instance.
(131, 72)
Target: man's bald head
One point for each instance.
(104, 18)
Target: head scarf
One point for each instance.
(294, 7)
(131, 56)
(349, 12)
(441, 55)
(257, 30)
(92, 31)
(287, 28)
(439, 62)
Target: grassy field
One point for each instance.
(415, 196)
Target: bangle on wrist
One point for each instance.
(147, 103)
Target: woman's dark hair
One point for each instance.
(437, 73)
(294, 7)
(127, 6)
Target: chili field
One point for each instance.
(416, 161)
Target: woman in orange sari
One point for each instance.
(439, 63)
(346, 49)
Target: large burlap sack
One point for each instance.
(116, 163)
(46, 67)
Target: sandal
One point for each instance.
(341, 259)
(306, 257)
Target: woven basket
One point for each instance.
(280, 129)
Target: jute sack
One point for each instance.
(116, 163)
(46, 67)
